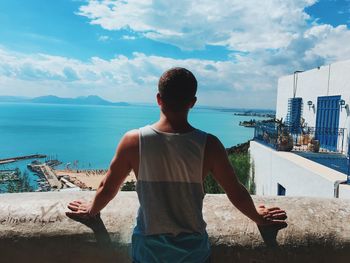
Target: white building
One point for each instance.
(321, 97)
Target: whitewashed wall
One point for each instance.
(300, 176)
(314, 83)
(344, 191)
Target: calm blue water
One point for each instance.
(90, 134)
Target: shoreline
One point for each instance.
(88, 179)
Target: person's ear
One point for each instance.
(159, 100)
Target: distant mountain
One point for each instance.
(50, 99)
(13, 99)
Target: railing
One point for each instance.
(309, 139)
(348, 160)
(322, 145)
(348, 174)
(34, 228)
(267, 133)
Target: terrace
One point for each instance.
(322, 145)
(34, 228)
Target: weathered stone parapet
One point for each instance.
(34, 228)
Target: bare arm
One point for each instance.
(217, 162)
(120, 166)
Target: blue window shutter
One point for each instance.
(294, 114)
(327, 121)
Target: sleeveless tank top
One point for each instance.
(170, 184)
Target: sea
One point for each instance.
(86, 136)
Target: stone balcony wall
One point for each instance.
(34, 228)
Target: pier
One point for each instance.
(14, 159)
(48, 172)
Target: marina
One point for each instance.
(47, 178)
(8, 175)
(48, 172)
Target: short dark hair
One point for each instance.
(177, 87)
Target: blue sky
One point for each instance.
(118, 49)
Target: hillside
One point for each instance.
(51, 99)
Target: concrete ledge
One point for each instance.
(34, 228)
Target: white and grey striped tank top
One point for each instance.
(170, 185)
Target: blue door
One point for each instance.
(327, 122)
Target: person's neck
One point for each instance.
(173, 122)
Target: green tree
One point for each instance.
(12, 187)
(252, 185)
(129, 186)
(211, 186)
(25, 183)
(20, 185)
(241, 165)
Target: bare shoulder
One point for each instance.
(127, 150)
(131, 137)
(214, 154)
(213, 145)
(129, 142)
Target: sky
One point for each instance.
(118, 49)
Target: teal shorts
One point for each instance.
(185, 247)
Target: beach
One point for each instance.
(89, 179)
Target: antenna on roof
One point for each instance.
(295, 82)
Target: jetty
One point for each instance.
(15, 159)
(47, 171)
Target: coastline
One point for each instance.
(81, 128)
(86, 179)
(89, 179)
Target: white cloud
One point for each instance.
(127, 37)
(330, 42)
(278, 44)
(245, 80)
(130, 79)
(239, 25)
(103, 38)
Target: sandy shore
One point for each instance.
(89, 179)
